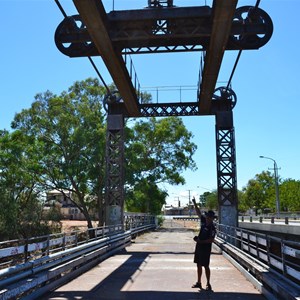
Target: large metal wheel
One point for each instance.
(64, 38)
(253, 15)
(111, 98)
(225, 94)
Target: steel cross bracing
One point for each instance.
(114, 185)
(163, 27)
(226, 167)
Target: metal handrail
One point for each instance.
(280, 255)
(45, 271)
(14, 252)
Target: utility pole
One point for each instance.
(190, 209)
(276, 185)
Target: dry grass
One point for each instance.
(72, 225)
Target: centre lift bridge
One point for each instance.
(162, 27)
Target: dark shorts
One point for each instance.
(202, 254)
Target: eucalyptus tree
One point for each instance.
(157, 151)
(20, 205)
(68, 131)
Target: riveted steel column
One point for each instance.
(226, 169)
(114, 193)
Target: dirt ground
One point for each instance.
(72, 225)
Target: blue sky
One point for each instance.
(265, 81)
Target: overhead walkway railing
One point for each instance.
(41, 264)
(273, 263)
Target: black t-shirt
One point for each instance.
(207, 231)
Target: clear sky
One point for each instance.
(265, 81)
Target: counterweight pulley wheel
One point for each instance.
(225, 94)
(253, 15)
(66, 34)
(111, 98)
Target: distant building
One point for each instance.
(62, 200)
(170, 210)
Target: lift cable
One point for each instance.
(257, 4)
(98, 73)
(233, 70)
(90, 59)
(61, 8)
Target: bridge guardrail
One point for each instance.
(48, 269)
(270, 219)
(23, 250)
(260, 219)
(272, 261)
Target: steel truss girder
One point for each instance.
(157, 28)
(163, 49)
(176, 29)
(114, 186)
(170, 109)
(226, 160)
(216, 29)
(114, 167)
(181, 109)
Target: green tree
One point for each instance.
(64, 146)
(242, 205)
(203, 198)
(289, 191)
(68, 134)
(259, 192)
(157, 151)
(145, 197)
(212, 200)
(20, 202)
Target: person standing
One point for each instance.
(203, 245)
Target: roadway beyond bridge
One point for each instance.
(158, 265)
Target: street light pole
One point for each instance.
(190, 209)
(276, 185)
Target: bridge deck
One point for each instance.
(158, 265)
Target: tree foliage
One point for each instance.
(290, 195)
(20, 206)
(211, 200)
(68, 133)
(260, 192)
(145, 197)
(59, 143)
(157, 151)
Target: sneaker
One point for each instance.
(208, 287)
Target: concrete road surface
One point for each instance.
(158, 265)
